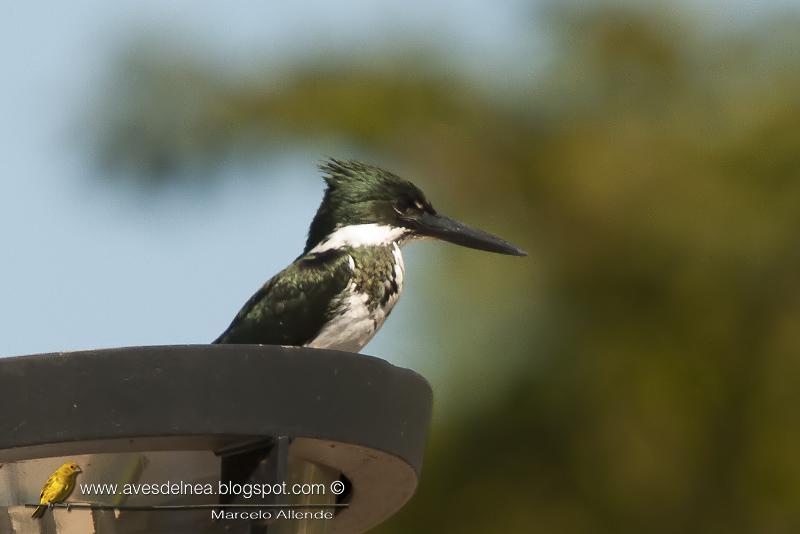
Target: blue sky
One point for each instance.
(85, 264)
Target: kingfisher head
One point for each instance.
(365, 205)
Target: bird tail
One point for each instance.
(39, 512)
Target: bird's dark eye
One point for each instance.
(410, 207)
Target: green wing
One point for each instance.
(293, 306)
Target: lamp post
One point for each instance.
(207, 439)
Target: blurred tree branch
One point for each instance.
(653, 170)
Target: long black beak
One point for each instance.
(447, 229)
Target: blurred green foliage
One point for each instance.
(649, 350)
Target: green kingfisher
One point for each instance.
(339, 291)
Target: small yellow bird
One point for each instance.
(57, 488)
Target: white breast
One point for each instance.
(352, 330)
